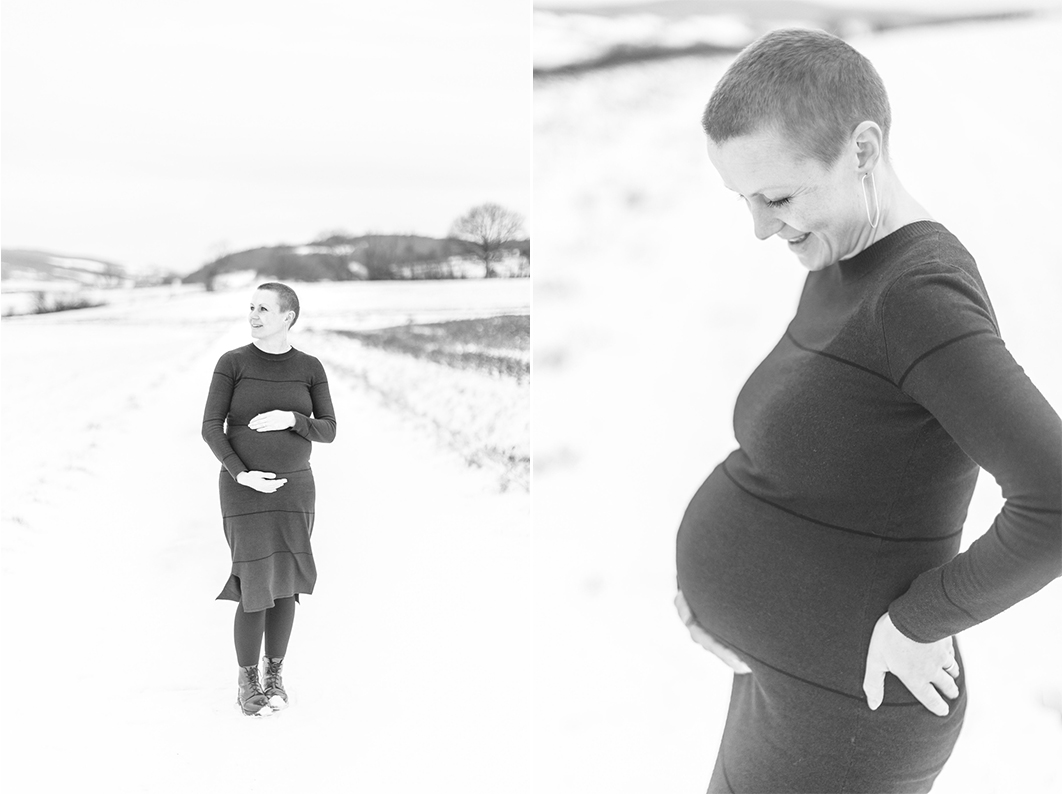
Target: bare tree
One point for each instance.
(486, 230)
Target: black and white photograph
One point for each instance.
(237, 237)
(751, 484)
(693, 308)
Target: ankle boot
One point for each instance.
(250, 697)
(274, 684)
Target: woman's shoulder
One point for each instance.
(933, 249)
(236, 353)
(933, 295)
(231, 362)
(309, 362)
(930, 267)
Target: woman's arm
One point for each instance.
(322, 425)
(945, 352)
(973, 387)
(217, 409)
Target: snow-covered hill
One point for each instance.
(574, 35)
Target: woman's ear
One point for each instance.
(868, 143)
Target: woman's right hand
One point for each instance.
(263, 481)
(706, 640)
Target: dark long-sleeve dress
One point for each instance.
(268, 534)
(860, 438)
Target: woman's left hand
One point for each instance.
(924, 668)
(272, 420)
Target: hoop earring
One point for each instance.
(866, 202)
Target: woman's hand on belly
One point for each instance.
(922, 667)
(262, 481)
(706, 640)
(272, 420)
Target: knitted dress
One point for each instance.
(860, 438)
(268, 534)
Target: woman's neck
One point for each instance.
(273, 344)
(898, 207)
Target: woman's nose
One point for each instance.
(764, 224)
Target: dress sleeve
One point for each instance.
(945, 352)
(322, 425)
(217, 409)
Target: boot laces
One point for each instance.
(252, 681)
(272, 676)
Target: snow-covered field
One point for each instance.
(653, 303)
(408, 666)
(572, 32)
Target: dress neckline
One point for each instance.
(291, 351)
(865, 261)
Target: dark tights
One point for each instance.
(275, 623)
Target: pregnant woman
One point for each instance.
(267, 403)
(820, 559)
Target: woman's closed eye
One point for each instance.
(769, 202)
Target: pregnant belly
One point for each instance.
(782, 590)
(276, 451)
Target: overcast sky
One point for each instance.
(154, 134)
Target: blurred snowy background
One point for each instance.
(577, 36)
(142, 142)
(653, 302)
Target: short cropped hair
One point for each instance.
(807, 84)
(286, 297)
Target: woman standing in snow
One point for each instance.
(820, 559)
(267, 403)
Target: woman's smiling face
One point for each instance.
(266, 318)
(818, 210)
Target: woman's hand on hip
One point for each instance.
(272, 420)
(706, 640)
(264, 481)
(922, 667)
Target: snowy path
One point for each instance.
(407, 666)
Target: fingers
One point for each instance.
(952, 668)
(709, 643)
(874, 677)
(946, 684)
(926, 693)
(874, 686)
(683, 608)
(273, 420)
(264, 481)
(928, 696)
(737, 665)
(270, 420)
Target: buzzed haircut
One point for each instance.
(286, 297)
(807, 84)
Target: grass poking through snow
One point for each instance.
(497, 345)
